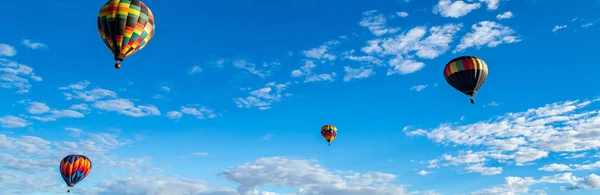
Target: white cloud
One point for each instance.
(195, 69)
(320, 52)
(483, 170)
(403, 66)
(357, 73)
(10, 121)
(558, 27)
(521, 185)
(54, 115)
(587, 24)
(418, 87)
(368, 60)
(321, 77)
(201, 154)
(75, 132)
(415, 41)
(14, 75)
(493, 104)
(522, 137)
(264, 97)
(200, 112)
(402, 14)
(7, 50)
(33, 45)
(126, 107)
(250, 67)
(174, 115)
(165, 88)
(491, 4)
(505, 15)
(37, 108)
(82, 107)
(376, 23)
(77, 91)
(487, 33)
(423, 172)
(454, 9)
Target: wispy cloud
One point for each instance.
(558, 27)
(7, 50)
(195, 69)
(505, 15)
(264, 97)
(34, 45)
(418, 88)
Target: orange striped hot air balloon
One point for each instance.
(74, 168)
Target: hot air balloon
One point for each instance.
(74, 168)
(126, 26)
(329, 132)
(466, 74)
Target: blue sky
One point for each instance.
(228, 98)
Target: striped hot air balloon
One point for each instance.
(329, 132)
(126, 26)
(74, 168)
(466, 74)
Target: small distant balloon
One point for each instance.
(466, 74)
(74, 168)
(329, 132)
(125, 26)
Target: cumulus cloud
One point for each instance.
(402, 14)
(174, 115)
(251, 68)
(309, 178)
(264, 97)
(521, 138)
(15, 75)
(319, 53)
(200, 112)
(522, 185)
(126, 107)
(357, 73)
(454, 9)
(37, 108)
(487, 33)
(78, 91)
(107, 100)
(376, 22)
(505, 15)
(10, 121)
(415, 41)
(491, 4)
(7, 50)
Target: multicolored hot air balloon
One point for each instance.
(466, 74)
(74, 168)
(126, 26)
(329, 132)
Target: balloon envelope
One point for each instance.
(74, 168)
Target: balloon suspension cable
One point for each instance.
(472, 100)
(329, 143)
(118, 64)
